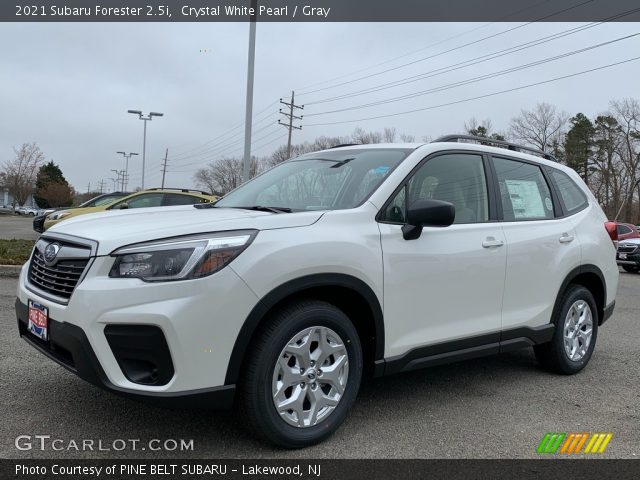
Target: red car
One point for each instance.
(627, 230)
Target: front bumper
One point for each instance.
(69, 346)
(198, 320)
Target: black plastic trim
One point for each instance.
(587, 268)
(293, 287)
(465, 349)
(608, 311)
(70, 347)
(142, 353)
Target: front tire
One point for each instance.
(574, 338)
(302, 374)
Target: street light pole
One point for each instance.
(144, 137)
(125, 178)
(246, 161)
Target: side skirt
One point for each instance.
(466, 349)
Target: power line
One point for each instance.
(474, 79)
(413, 52)
(236, 127)
(472, 61)
(447, 51)
(477, 97)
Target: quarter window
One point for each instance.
(455, 178)
(524, 191)
(574, 199)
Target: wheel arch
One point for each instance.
(346, 292)
(590, 277)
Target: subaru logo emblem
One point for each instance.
(51, 251)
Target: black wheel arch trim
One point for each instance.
(297, 286)
(587, 268)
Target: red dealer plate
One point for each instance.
(38, 320)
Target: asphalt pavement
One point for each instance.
(17, 226)
(495, 407)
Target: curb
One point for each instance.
(10, 271)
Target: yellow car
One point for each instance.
(153, 197)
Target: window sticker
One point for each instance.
(381, 170)
(548, 204)
(525, 198)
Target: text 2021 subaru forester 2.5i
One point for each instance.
(369, 259)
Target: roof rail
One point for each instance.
(498, 143)
(184, 190)
(345, 145)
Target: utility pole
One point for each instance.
(102, 185)
(146, 119)
(164, 166)
(246, 159)
(290, 126)
(88, 187)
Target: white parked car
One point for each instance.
(366, 259)
(27, 211)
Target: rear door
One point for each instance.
(542, 245)
(446, 285)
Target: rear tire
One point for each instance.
(574, 338)
(631, 268)
(306, 357)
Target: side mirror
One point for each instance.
(427, 213)
(124, 206)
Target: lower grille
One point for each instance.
(60, 278)
(627, 248)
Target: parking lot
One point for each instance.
(16, 226)
(496, 407)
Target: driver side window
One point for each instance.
(455, 178)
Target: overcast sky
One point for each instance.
(68, 86)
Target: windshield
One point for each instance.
(107, 199)
(329, 180)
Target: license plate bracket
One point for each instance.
(38, 323)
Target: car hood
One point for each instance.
(635, 241)
(113, 229)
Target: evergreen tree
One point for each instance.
(50, 178)
(578, 145)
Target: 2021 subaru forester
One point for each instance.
(365, 259)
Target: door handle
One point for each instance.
(492, 242)
(566, 238)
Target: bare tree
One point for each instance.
(539, 127)
(627, 114)
(362, 137)
(223, 175)
(389, 134)
(482, 129)
(19, 174)
(405, 137)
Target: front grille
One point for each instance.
(627, 248)
(59, 279)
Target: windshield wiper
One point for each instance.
(262, 208)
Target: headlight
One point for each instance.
(180, 258)
(58, 215)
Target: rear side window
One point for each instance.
(574, 199)
(172, 199)
(623, 229)
(524, 191)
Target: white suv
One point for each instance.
(366, 259)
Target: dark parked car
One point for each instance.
(628, 256)
(38, 222)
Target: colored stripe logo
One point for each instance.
(572, 443)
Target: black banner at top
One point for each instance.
(319, 10)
